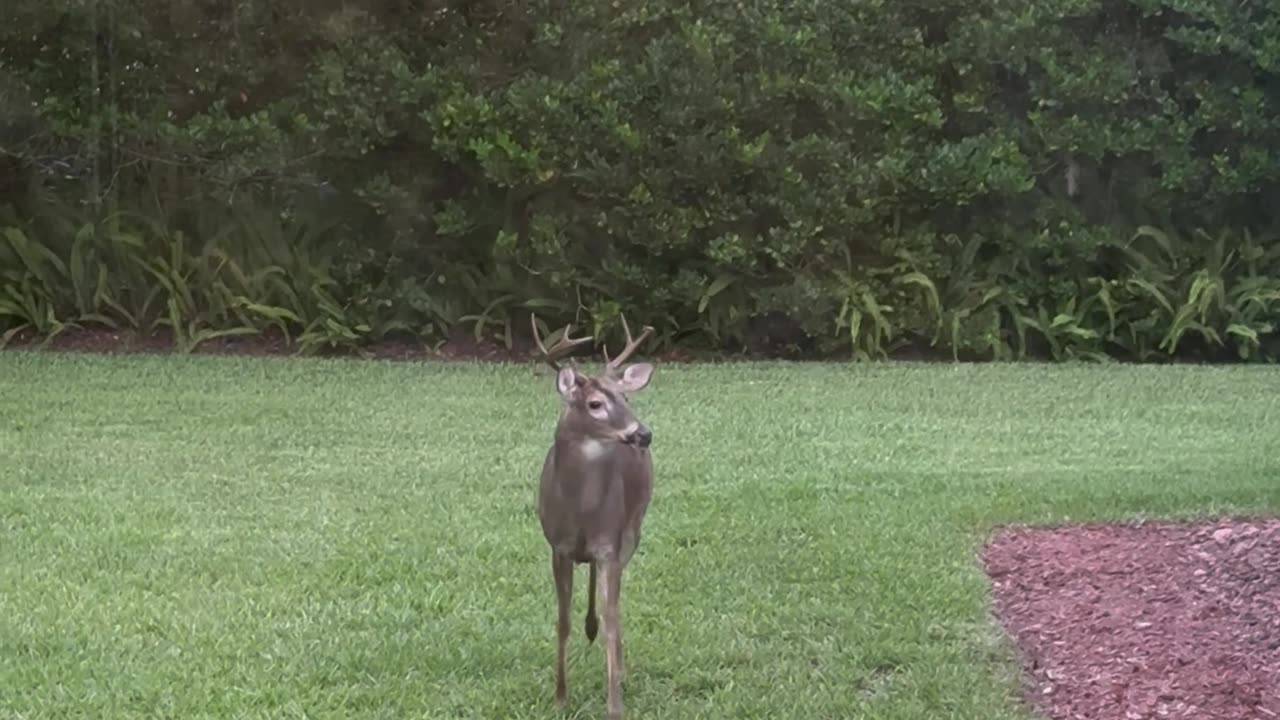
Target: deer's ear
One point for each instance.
(636, 377)
(567, 381)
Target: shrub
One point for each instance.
(981, 178)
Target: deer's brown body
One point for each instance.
(596, 482)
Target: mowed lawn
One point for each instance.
(275, 538)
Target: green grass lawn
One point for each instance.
(214, 537)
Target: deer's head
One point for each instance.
(596, 406)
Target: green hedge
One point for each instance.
(995, 179)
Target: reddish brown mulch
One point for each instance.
(1151, 620)
(461, 347)
(102, 340)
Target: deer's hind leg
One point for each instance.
(592, 620)
(562, 572)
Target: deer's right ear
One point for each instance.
(567, 381)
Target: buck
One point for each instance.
(596, 482)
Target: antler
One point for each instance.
(563, 346)
(611, 366)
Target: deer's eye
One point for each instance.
(595, 404)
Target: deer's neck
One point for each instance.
(578, 449)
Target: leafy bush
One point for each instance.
(982, 178)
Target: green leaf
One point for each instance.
(716, 287)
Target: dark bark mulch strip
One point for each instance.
(1151, 620)
(103, 340)
(461, 347)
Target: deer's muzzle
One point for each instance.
(640, 437)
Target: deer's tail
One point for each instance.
(593, 623)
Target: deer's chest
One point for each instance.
(594, 504)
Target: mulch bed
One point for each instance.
(1150, 620)
(271, 343)
(461, 347)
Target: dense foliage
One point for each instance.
(990, 178)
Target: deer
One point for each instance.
(594, 491)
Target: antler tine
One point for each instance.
(563, 346)
(630, 349)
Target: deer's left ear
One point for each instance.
(636, 377)
(567, 381)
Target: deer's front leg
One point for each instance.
(610, 589)
(562, 572)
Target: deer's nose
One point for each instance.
(642, 437)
